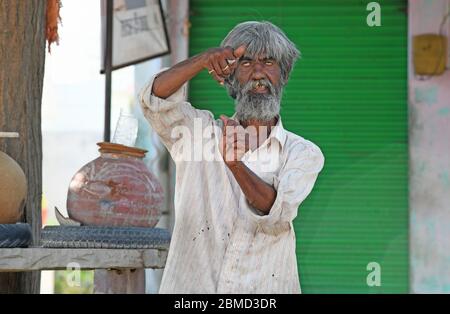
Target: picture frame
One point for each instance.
(139, 32)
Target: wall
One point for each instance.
(429, 110)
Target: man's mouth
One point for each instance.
(260, 88)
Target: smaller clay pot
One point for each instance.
(13, 190)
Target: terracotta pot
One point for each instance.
(116, 189)
(13, 190)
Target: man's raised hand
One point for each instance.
(234, 142)
(221, 62)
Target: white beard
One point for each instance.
(261, 107)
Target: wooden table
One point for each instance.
(117, 270)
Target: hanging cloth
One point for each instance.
(53, 19)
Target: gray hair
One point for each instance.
(264, 39)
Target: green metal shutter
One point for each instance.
(348, 94)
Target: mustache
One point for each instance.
(259, 83)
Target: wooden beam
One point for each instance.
(9, 134)
(19, 260)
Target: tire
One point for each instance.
(15, 235)
(104, 237)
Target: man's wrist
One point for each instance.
(235, 165)
(202, 59)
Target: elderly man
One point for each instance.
(233, 228)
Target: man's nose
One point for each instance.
(258, 72)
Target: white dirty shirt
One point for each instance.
(220, 244)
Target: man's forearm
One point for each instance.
(215, 60)
(169, 81)
(259, 194)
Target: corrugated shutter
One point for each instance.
(348, 95)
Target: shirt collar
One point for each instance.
(278, 131)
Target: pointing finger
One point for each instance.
(240, 51)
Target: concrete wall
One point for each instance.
(429, 109)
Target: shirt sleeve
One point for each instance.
(293, 184)
(164, 115)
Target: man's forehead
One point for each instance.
(260, 57)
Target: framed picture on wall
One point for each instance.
(139, 32)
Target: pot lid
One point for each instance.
(106, 147)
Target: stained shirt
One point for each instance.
(220, 244)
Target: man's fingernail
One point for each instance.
(221, 83)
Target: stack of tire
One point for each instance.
(13, 192)
(15, 235)
(104, 237)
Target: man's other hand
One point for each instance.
(234, 142)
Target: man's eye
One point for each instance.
(269, 63)
(245, 63)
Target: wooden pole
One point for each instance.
(129, 281)
(22, 59)
(108, 69)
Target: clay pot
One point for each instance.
(116, 189)
(13, 190)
